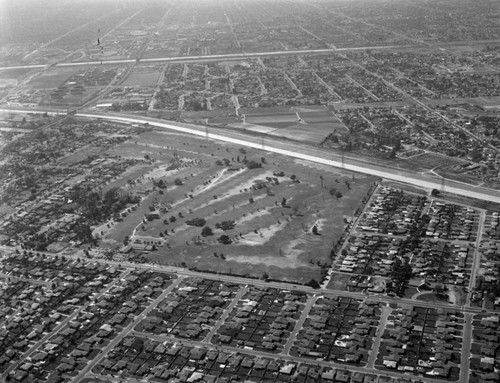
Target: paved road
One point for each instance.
(317, 155)
(354, 224)
(58, 328)
(466, 348)
(476, 258)
(386, 310)
(232, 56)
(83, 373)
(294, 359)
(260, 283)
(205, 343)
(242, 291)
(305, 152)
(311, 300)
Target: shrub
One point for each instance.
(313, 283)
(225, 225)
(253, 165)
(224, 239)
(198, 221)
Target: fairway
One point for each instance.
(272, 208)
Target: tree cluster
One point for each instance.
(253, 164)
(206, 231)
(335, 192)
(225, 225)
(160, 184)
(401, 274)
(198, 221)
(224, 239)
(97, 207)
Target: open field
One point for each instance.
(14, 73)
(143, 76)
(427, 161)
(52, 79)
(272, 208)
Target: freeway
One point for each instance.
(301, 151)
(30, 66)
(229, 56)
(313, 154)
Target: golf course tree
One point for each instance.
(225, 225)
(334, 192)
(253, 164)
(440, 291)
(224, 239)
(96, 206)
(206, 231)
(198, 221)
(160, 184)
(313, 283)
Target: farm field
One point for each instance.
(70, 99)
(261, 219)
(161, 52)
(301, 132)
(315, 123)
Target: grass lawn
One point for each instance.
(339, 281)
(268, 238)
(431, 298)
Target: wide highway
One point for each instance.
(182, 59)
(300, 151)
